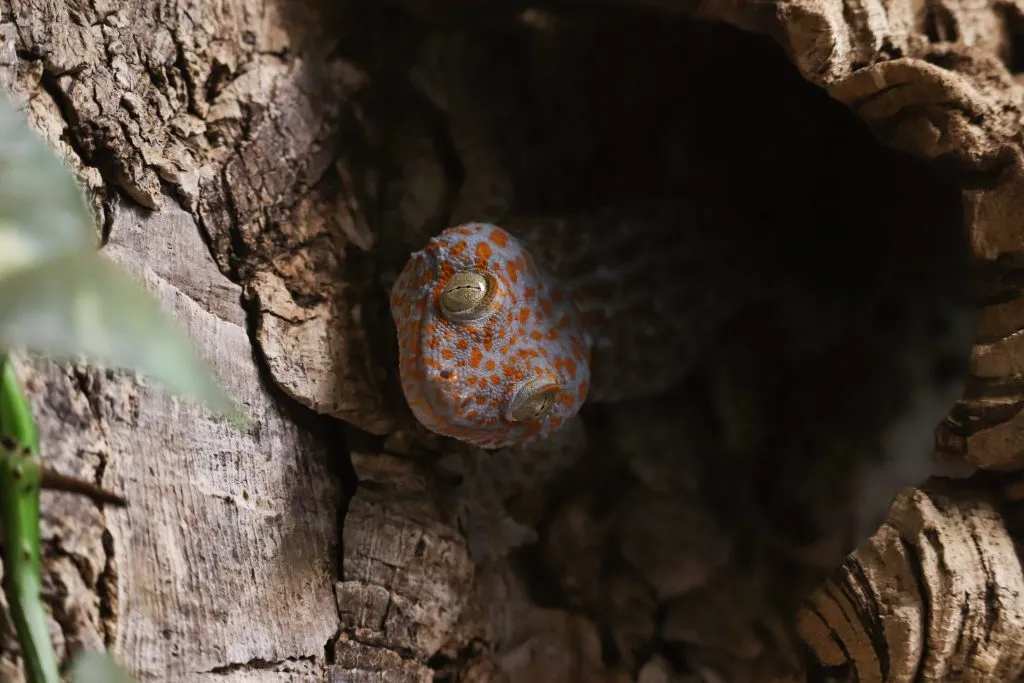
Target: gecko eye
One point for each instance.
(531, 402)
(467, 295)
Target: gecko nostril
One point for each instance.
(445, 374)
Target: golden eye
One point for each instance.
(467, 296)
(532, 403)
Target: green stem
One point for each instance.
(20, 480)
(16, 421)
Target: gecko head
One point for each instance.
(491, 348)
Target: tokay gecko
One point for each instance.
(505, 331)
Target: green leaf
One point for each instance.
(43, 212)
(83, 304)
(96, 667)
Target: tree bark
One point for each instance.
(265, 167)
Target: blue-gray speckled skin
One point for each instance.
(461, 377)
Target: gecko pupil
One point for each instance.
(467, 295)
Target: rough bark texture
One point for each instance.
(266, 167)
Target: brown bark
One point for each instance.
(266, 167)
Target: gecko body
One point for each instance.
(802, 373)
(504, 332)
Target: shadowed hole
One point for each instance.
(614, 108)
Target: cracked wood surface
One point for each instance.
(223, 566)
(266, 167)
(224, 528)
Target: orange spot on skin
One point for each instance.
(545, 305)
(475, 357)
(459, 248)
(483, 254)
(524, 315)
(512, 274)
(462, 344)
(499, 237)
(495, 379)
(490, 364)
(582, 393)
(447, 354)
(447, 270)
(529, 293)
(537, 335)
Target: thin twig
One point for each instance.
(55, 481)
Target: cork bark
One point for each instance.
(265, 167)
